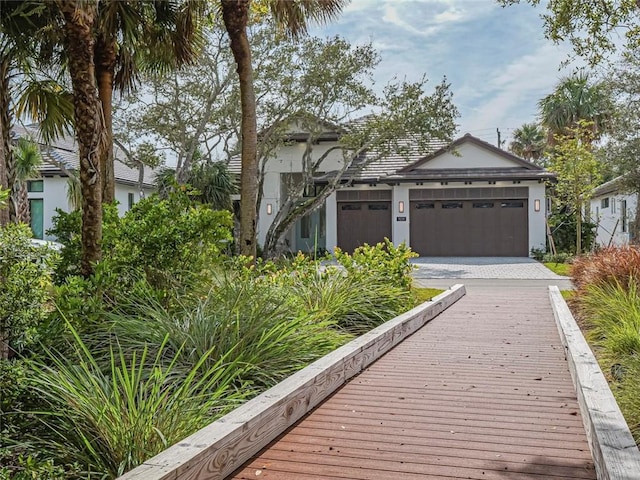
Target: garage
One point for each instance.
(470, 222)
(363, 217)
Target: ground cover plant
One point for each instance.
(119, 365)
(607, 302)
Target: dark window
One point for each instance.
(512, 204)
(35, 186)
(420, 206)
(351, 207)
(482, 204)
(452, 205)
(305, 227)
(378, 206)
(312, 190)
(130, 201)
(604, 203)
(623, 215)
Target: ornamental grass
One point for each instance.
(613, 265)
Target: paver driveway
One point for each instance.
(482, 267)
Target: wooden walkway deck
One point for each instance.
(481, 392)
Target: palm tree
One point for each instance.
(294, 17)
(575, 99)
(78, 20)
(27, 159)
(127, 31)
(529, 142)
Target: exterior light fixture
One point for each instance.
(536, 205)
(269, 209)
(401, 206)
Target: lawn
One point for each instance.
(559, 268)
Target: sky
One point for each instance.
(496, 59)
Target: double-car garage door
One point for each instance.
(443, 222)
(470, 222)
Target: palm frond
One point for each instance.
(296, 16)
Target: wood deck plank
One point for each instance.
(482, 392)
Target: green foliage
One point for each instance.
(166, 239)
(4, 196)
(562, 223)
(383, 259)
(26, 279)
(110, 419)
(254, 325)
(591, 26)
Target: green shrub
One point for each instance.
(557, 258)
(168, 240)
(382, 260)
(26, 278)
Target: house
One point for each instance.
(468, 198)
(49, 191)
(612, 210)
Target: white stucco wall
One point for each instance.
(55, 197)
(289, 160)
(537, 224)
(609, 220)
(467, 155)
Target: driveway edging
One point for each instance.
(613, 448)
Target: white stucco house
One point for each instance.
(469, 198)
(613, 210)
(48, 191)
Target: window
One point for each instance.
(452, 205)
(351, 207)
(613, 205)
(482, 204)
(421, 206)
(35, 186)
(130, 201)
(378, 206)
(36, 207)
(305, 227)
(623, 216)
(512, 204)
(604, 203)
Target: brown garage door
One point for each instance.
(363, 222)
(486, 227)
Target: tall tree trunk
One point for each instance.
(105, 58)
(23, 213)
(7, 168)
(78, 29)
(235, 14)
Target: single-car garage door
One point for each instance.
(363, 217)
(484, 226)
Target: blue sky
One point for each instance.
(496, 59)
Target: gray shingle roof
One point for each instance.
(65, 151)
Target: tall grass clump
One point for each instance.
(345, 300)
(109, 420)
(612, 314)
(613, 265)
(253, 325)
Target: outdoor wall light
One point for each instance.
(270, 209)
(401, 206)
(536, 205)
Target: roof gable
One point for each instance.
(469, 152)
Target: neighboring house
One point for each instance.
(613, 210)
(49, 192)
(467, 199)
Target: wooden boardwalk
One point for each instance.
(481, 392)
